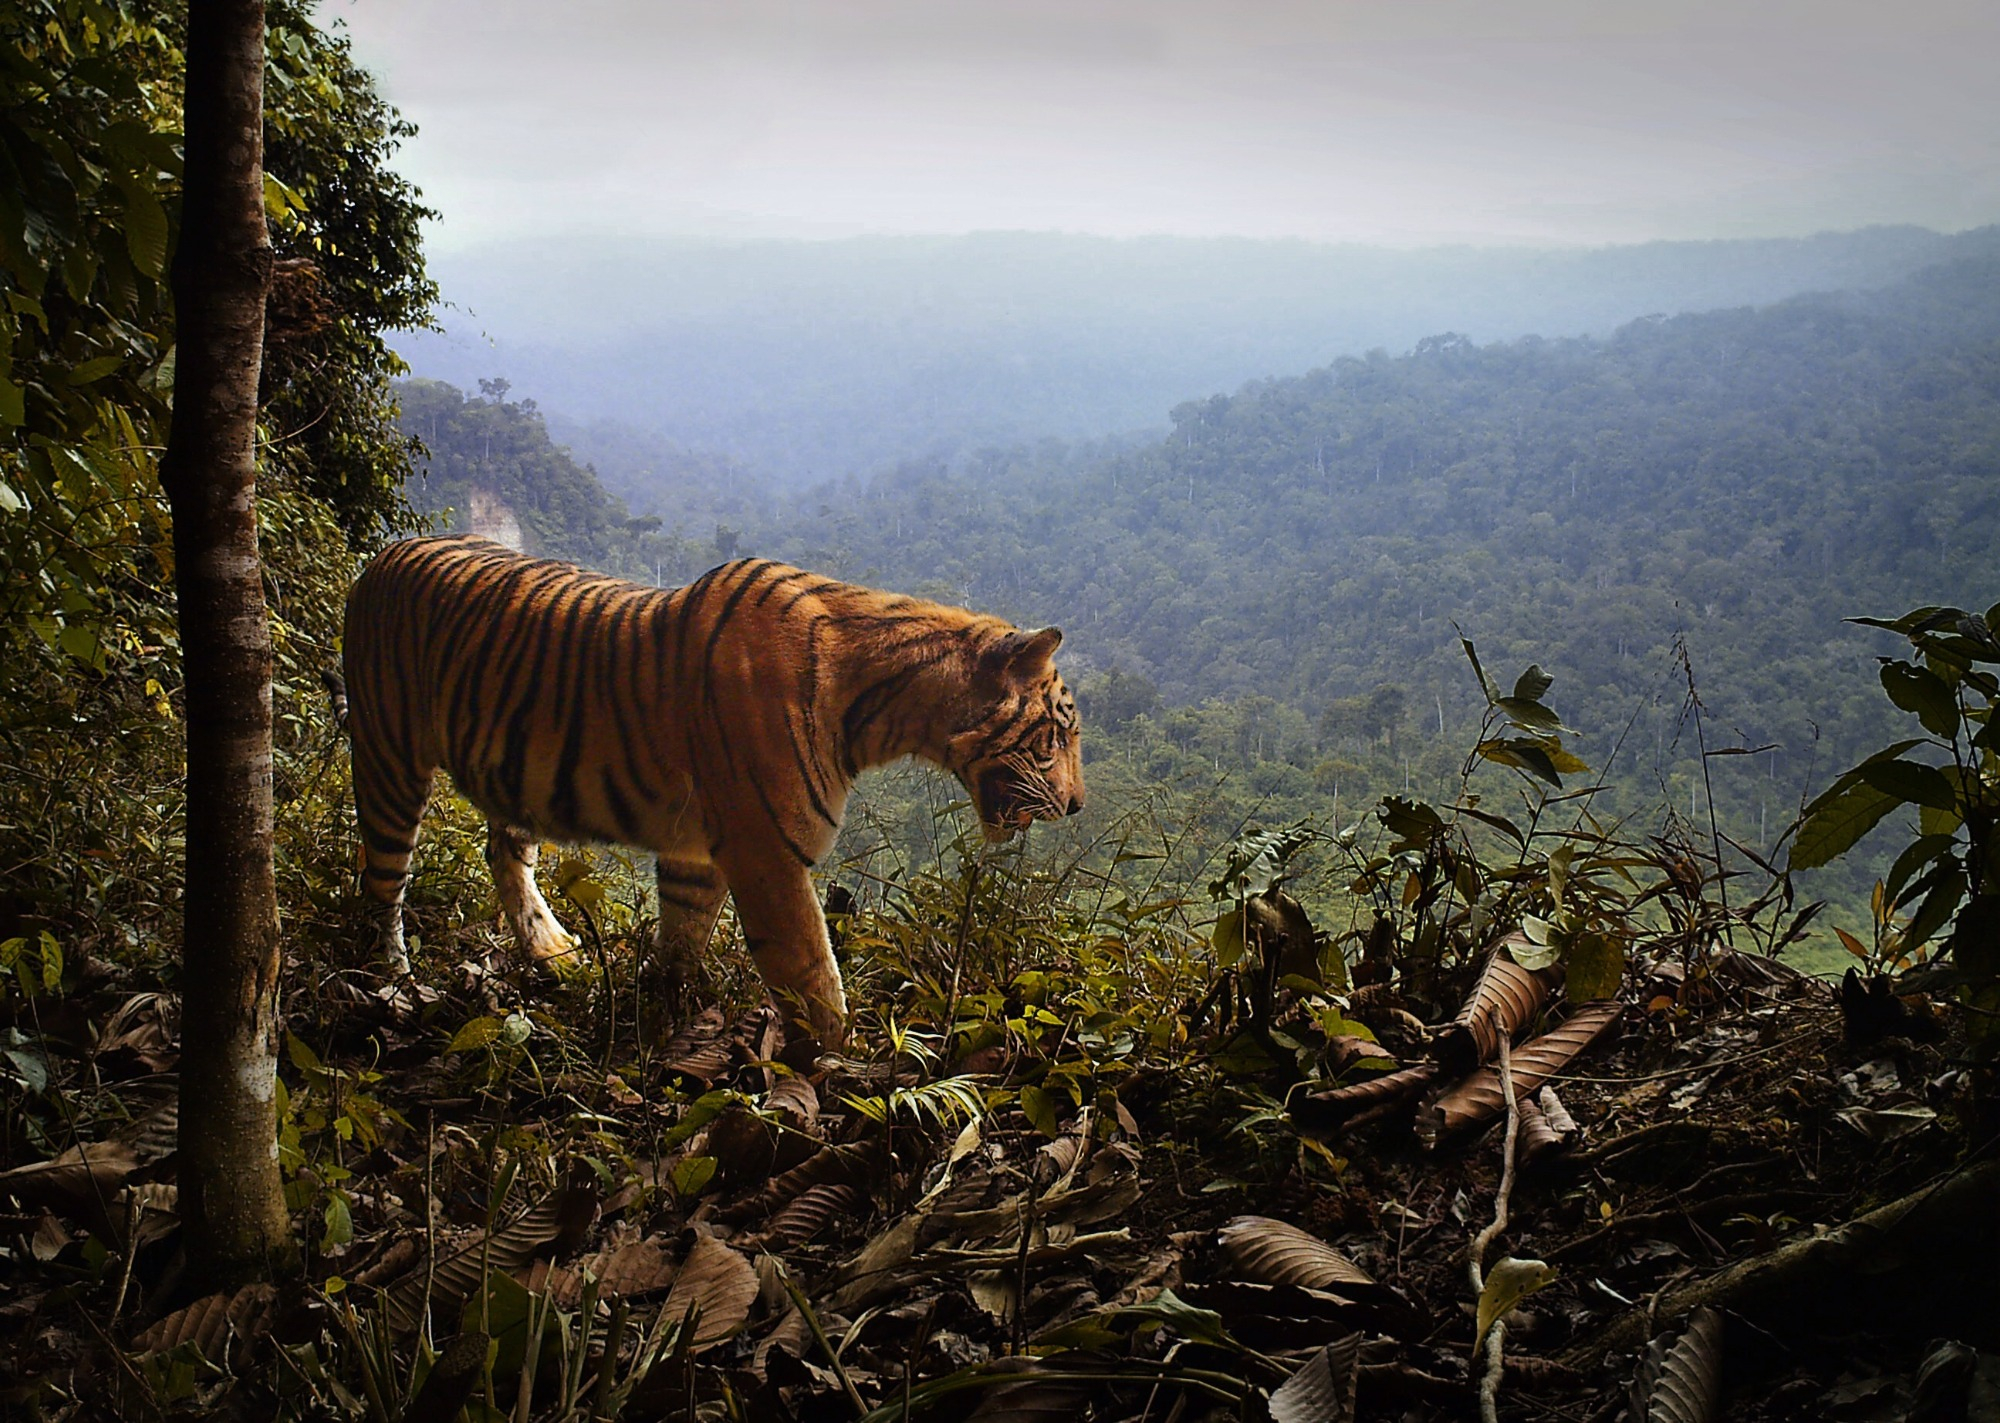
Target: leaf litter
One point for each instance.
(704, 1227)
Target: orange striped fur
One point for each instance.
(720, 725)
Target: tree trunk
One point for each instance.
(231, 1197)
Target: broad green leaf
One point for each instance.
(145, 227)
(1938, 822)
(1832, 827)
(474, 1034)
(1915, 856)
(94, 369)
(1191, 1323)
(1532, 684)
(13, 413)
(1848, 778)
(1040, 1109)
(1947, 891)
(1594, 969)
(302, 1056)
(1228, 939)
(1522, 754)
(339, 1222)
(1530, 716)
(692, 1174)
(1911, 782)
(1920, 690)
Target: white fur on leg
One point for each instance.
(389, 938)
(528, 914)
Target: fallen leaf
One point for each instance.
(1507, 1284)
(1323, 1390)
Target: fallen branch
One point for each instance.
(1948, 1229)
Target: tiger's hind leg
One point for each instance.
(691, 895)
(389, 800)
(512, 854)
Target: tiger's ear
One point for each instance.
(1021, 656)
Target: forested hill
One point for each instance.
(1740, 479)
(810, 360)
(1747, 478)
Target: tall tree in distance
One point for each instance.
(231, 1197)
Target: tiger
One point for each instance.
(720, 726)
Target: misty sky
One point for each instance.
(1399, 121)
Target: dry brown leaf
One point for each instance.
(213, 1323)
(700, 1050)
(792, 1335)
(1030, 1400)
(1504, 1001)
(1538, 1138)
(720, 1283)
(854, 1165)
(813, 1212)
(458, 1273)
(796, 1099)
(1681, 1382)
(1270, 1252)
(1324, 1111)
(1478, 1098)
(142, 1033)
(1322, 1391)
(82, 1184)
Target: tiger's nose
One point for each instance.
(1075, 803)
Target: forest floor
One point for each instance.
(519, 1205)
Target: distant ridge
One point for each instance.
(808, 360)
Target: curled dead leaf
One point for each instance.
(220, 1325)
(718, 1285)
(1479, 1098)
(1272, 1252)
(1502, 1003)
(1680, 1379)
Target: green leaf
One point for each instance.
(1922, 691)
(1947, 890)
(475, 1034)
(1529, 715)
(1833, 826)
(13, 413)
(1522, 754)
(1595, 968)
(1915, 856)
(1190, 1322)
(94, 369)
(145, 227)
(1229, 938)
(1909, 781)
(692, 1174)
(1485, 682)
(1040, 1109)
(1532, 685)
(302, 1056)
(339, 1222)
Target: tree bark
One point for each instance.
(231, 1197)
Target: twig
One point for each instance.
(1495, 1339)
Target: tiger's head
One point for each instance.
(1019, 755)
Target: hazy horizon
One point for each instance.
(1559, 124)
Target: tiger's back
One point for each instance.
(720, 725)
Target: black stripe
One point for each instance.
(783, 834)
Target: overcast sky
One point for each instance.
(1399, 121)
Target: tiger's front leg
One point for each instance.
(512, 855)
(786, 934)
